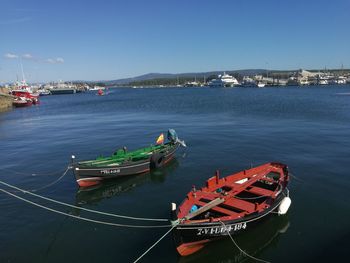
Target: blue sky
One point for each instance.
(100, 40)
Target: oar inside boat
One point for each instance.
(237, 200)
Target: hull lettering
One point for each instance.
(221, 229)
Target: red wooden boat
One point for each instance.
(229, 205)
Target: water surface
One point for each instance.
(225, 129)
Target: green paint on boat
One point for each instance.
(122, 156)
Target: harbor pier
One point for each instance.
(5, 100)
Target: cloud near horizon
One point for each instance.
(29, 56)
(55, 60)
(10, 56)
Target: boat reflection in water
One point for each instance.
(263, 235)
(113, 187)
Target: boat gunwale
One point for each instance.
(243, 187)
(126, 160)
(188, 225)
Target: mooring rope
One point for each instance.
(79, 217)
(235, 243)
(155, 243)
(52, 183)
(251, 220)
(32, 174)
(48, 185)
(82, 208)
(296, 178)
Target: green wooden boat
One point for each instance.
(124, 162)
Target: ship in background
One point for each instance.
(224, 80)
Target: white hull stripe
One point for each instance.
(104, 168)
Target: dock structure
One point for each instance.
(5, 100)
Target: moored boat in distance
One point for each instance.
(23, 90)
(43, 92)
(323, 81)
(63, 88)
(96, 88)
(22, 102)
(224, 80)
(192, 84)
(248, 82)
(261, 84)
(100, 92)
(124, 162)
(229, 205)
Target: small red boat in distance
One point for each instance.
(22, 90)
(100, 92)
(229, 205)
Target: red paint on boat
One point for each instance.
(22, 102)
(96, 180)
(232, 188)
(88, 182)
(100, 92)
(228, 200)
(190, 248)
(168, 160)
(23, 95)
(144, 171)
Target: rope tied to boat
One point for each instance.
(241, 250)
(32, 174)
(296, 178)
(82, 218)
(82, 208)
(163, 236)
(52, 183)
(47, 185)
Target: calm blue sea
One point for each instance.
(227, 129)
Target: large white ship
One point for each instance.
(224, 80)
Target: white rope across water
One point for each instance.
(155, 243)
(296, 178)
(245, 253)
(47, 185)
(52, 183)
(79, 217)
(32, 174)
(251, 220)
(82, 208)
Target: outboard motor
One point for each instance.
(172, 136)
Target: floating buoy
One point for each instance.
(173, 212)
(284, 205)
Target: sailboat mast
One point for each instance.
(20, 61)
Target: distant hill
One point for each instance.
(198, 75)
